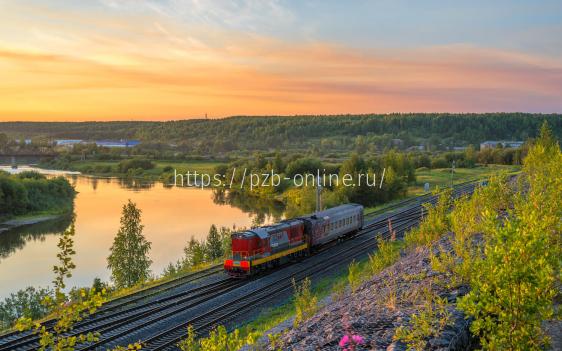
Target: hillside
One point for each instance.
(325, 132)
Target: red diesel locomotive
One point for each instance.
(261, 248)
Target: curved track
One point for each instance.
(144, 309)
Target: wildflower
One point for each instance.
(348, 342)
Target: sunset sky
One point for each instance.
(175, 59)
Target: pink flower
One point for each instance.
(344, 340)
(357, 340)
(352, 341)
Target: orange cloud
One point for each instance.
(170, 72)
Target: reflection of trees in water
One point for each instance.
(261, 209)
(95, 182)
(135, 184)
(15, 239)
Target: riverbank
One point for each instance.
(21, 221)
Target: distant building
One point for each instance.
(416, 148)
(120, 143)
(68, 142)
(458, 148)
(505, 144)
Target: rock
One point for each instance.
(396, 346)
(368, 313)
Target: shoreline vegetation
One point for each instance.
(30, 197)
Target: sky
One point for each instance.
(178, 59)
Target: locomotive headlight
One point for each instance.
(228, 263)
(245, 265)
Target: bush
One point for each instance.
(25, 303)
(306, 304)
(134, 164)
(514, 283)
(429, 322)
(31, 193)
(433, 225)
(388, 252)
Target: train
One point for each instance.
(262, 248)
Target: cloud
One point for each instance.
(135, 65)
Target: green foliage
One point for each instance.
(218, 340)
(514, 283)
(466, 220)
(194, 253)
(354, 277)
(128, 260)
(428, 322)
(306, 304)
(433, 225)
(387, 254)
(66, 313)
(334, 133)
(214, 248)
(31, 192)
(64, 269)
(134, 164)
(24, 303)
(302, 166)
(189, 343)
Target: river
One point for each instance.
(170, 216)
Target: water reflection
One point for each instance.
(262, 210)
(15, 239)
(170, 216)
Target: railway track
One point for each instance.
(130, 314)
(202, 324)
(28, 340)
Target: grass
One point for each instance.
(202, 167)
(442, 176)
(276, 315)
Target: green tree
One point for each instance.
(546, 139)
(65, 312)
(25, 303)
(214, 248)
(128, 261)
(194, 253)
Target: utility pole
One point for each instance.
(452, 173)
(318, 195)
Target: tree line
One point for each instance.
(30, 192)
(342, 132)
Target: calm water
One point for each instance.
(170, 215)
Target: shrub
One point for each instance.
(134, 164)
(430, 321)
(306, 304)
(433, 225)
(388, 252)
(514, 283)
(354, 275)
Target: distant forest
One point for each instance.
(341, 132)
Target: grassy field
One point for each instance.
(441, 177)
(181, 167)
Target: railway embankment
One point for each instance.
(373, 313)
